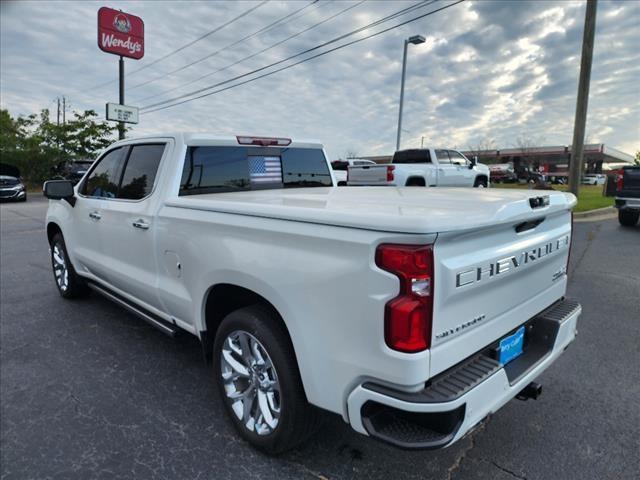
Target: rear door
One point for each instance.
(127, 225)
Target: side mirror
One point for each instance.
(473, 162)
(59, 190)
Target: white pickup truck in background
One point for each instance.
(413, 313)
(423, 167)
(341, 167)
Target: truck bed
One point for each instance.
(388, 209)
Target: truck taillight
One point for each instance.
(408, 317)
(620, 182)
(566, 268)
(390, 169)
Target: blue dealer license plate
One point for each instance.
(511, 346)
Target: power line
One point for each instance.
(308, 58)
(213, 54)
(421, 4)
(373, 24)
(187, 45)
(290, 37)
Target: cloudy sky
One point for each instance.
(490, 70)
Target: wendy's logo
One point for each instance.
(122, 23)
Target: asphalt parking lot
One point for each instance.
(87, 390)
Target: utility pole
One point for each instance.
(58, 122)
(577, 145)
(64, 110)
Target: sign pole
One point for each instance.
(121, 124)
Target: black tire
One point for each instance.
(481, 182)
(24, 199)
(628, 218)
(415, 182)
(75, 286)
(297, 419)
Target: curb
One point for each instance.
(594, 213)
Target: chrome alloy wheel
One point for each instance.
(250, 382)
(60, 269)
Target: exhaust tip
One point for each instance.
(533, 390)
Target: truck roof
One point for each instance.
(210, 139)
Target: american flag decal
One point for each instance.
(264, 170)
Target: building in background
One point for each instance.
(549, 160)
(554, 160)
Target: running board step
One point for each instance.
(152, 319)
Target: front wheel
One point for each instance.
(69, 284)
(258, 379)
(480, 183)
(628, 218)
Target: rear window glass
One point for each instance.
(412, 156)
(140, 171)
(229, 169)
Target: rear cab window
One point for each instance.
(211, 169)
(412, 156)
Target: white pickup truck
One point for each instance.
(421, 168)
(412, 313)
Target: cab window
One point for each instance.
(442, 156)
(105, 176)
(140, 171)
(457, 158)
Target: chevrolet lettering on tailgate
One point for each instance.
(504, 265)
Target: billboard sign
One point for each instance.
(122, 113)
(120, 33)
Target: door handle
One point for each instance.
(141, 224)
(95, 216)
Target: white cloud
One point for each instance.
(489, 69)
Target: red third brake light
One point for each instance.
(263, 141)
(408, 317)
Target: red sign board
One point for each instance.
(120, 33)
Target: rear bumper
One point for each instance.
(627, 203)
(456, 401)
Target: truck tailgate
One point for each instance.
(369, 175)
(631, 183)
(490, 281)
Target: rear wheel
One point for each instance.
(415, 182)
(628, 218)
(69, 284)
(258, 379)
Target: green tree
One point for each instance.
(637, 159)
(41, 148)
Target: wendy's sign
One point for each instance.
(120, 33)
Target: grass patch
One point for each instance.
(590, 196)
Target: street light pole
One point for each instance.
(416, 39)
